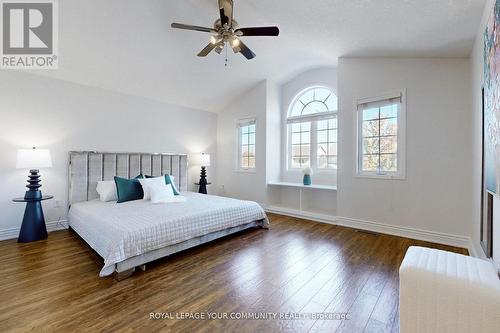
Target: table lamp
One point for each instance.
(204, 162)
(33, 159)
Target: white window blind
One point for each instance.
(246, 122)
(372, 102)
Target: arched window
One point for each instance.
(312, 130)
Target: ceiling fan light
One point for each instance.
(219, 48)
(213, 40)
(236, 42)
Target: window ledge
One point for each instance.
(245, 171)
(382, 177)
(315, 171)
(299, 185)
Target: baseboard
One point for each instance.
(412, 233)
(473, 251)
(313, 216)
(51, 226)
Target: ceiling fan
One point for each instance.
(226, 30)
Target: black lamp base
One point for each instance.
(203, 181)
(33, 227)
(33, 186)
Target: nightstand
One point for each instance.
(33, 227)
(203, 188)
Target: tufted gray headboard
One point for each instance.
(86, 168)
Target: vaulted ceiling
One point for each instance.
(128, 46)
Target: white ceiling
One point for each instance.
(128, 46)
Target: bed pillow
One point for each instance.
(169, 179)
(162, 194)
(149, 182)
(106, 190)
(128, 189)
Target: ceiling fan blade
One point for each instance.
(246, 51)
(207, 50)
(258, 31)
(192, 27)
(226, 12)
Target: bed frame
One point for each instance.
(86, 168)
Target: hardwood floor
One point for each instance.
(295, 267)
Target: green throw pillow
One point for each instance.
(168, 180)
(128, 189)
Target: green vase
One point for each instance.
(307, 179)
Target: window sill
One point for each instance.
(381, 177)
(299, 185)
(315, 171)
(245, 171)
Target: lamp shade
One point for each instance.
(205, 160)
(33, 159)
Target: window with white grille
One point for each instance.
(312, 130)
(246, 145)
(381, 136)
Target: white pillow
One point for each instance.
(148, 183)
(107, 190)
(162, 194)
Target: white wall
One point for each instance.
(477, 72)
(273, 131)
(233, 182)
(62, 116)
(436, 194)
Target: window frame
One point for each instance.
(400, 174)
(313, 136)
(239, 126)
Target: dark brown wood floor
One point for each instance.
(298, 266)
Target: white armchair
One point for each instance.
(447, 292)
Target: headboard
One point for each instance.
(86, 168)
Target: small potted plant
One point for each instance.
(307, 171)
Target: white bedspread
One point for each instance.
(121, 231)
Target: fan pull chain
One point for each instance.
(225, 65)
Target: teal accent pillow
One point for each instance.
(128, 189)
(168, 180)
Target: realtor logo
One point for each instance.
(29, 34)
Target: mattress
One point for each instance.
(121, 231)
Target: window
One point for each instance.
(381, 125)
(246, 146)
(327, 144)
(312, 130)
(301, 144)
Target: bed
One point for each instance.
(131, 234)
